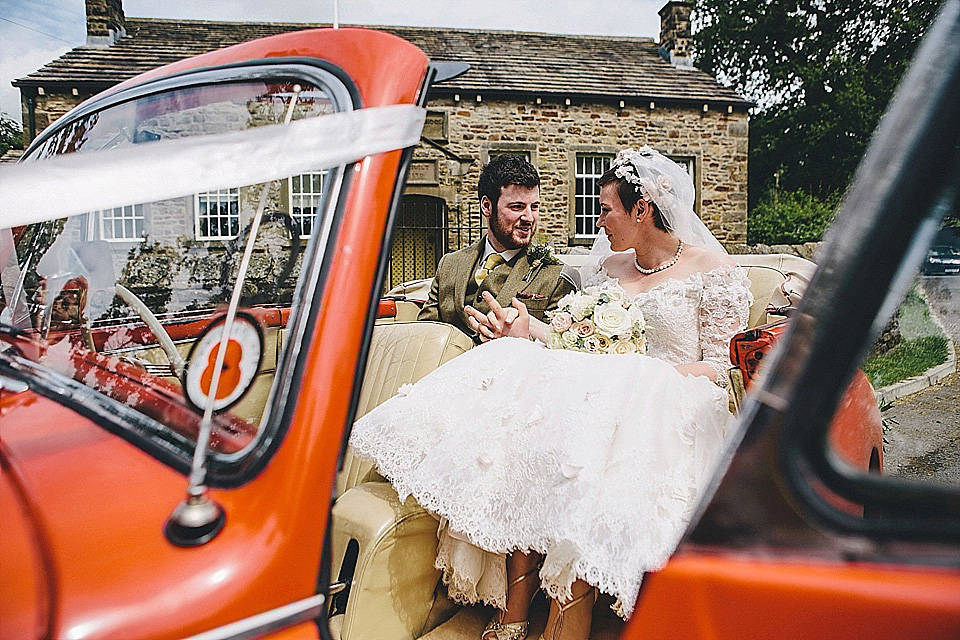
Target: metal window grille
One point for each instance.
(425, 231)
(122, 223)
(587, 172)
(306, 191)
(218, 214)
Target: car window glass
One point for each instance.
(912, 369)
(120, 300)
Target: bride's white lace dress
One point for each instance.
(594, 461)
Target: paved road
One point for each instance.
(923, 430)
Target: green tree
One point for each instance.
(11, 135)
(821, 73)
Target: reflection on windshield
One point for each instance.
(117, 299)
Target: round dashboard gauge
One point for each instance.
(241, 362)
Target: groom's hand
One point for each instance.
(512, 321)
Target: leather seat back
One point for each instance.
(400, 353)
(776, 280)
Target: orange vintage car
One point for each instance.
(183, 349)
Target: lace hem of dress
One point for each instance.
(473, 575)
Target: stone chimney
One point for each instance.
(674, 33)
(105, 22)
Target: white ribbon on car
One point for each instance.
(77, 183)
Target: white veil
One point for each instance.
(668, 185)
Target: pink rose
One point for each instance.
(583, 328)
(561, 321)
(591, 344)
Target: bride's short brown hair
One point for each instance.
(629, 195)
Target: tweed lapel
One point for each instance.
(514, 281)
(464, 270)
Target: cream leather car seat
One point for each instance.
(382, 548)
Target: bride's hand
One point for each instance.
(513, 321)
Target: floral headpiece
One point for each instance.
(625, 167)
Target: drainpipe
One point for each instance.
(31, 118)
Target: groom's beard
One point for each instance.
(509, 237)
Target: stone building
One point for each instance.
(566, 102)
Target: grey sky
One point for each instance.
(34, 32)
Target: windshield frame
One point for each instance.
(237, 468)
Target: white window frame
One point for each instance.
(108, 218)
(588, 198)
(220, 196)
(297, 198)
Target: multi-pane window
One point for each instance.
(122, 224)
(589, 168)
(306, 191)
(218, 214)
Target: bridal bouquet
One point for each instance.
(597, 320)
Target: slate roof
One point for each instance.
(502, 62)
(11, 156)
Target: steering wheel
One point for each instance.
(153, 325)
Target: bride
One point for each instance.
(580, 469)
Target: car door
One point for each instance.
(771, 554)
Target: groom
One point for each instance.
(509, 190)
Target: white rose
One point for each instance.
(624, 346)
(567, 299)
(556, 342)
(569, 339)
(614, 293)
(579, 308)
(637, 317)
(612, 320)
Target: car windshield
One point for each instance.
(123, 300)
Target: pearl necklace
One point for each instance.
(666, 265)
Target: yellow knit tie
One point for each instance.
(492, 262)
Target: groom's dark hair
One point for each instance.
(503, 171)
(630, 195)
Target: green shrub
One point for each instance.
(790, 217)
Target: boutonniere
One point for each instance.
(539, 254)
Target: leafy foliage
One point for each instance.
(790, 217)
(11, 135)
(821, 73)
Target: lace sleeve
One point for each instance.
(724, 310)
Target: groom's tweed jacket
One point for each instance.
(449, 292)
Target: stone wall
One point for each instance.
(806, 250)
(49, 107)
(552, 135)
